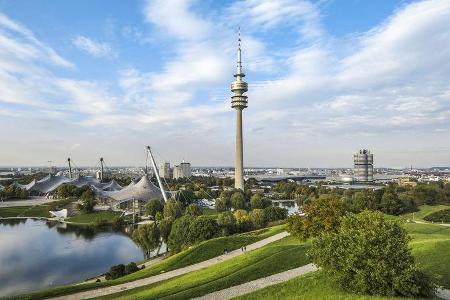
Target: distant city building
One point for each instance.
(363, 166)
(164, 170)
(182, 170)
(406, 181)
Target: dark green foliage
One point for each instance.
(227, 221)
(439, 216)
(275, 213)
(258, 201)
(153, 206)
(87, 201)
(180, 233)
(173, 209)
(370, 255)
(194, 210)
(390, 203)
(223, 203)
(121, 270)
(165, 226)
(67, 190)
(12, 191)
(238, 200)
(202, 228)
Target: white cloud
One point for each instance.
(94, 48)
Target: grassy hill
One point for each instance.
(424, 210)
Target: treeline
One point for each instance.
(181, 226)
(391, 199)
(13, 191)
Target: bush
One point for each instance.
(370, 255)
(120, 270)
(439, 216)
(243, 222)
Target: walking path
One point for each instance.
(443, 294)
(257, 284)
(164, 276)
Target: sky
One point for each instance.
(104, 78)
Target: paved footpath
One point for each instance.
(164, 276)
(257, 284)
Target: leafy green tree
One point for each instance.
(147, 237)
(87, 201)
(227, 221)
(322, 214)
(194, 210)
(222, 204)
(258, 218)
(203, 228)
(179, 237)
(275, 213)
(23, 194)
(153, 206)
(173, 209)
(390, 203)
(370, 255)
(258, 201)
(165, 226)
(237, 200)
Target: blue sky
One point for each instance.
(105, 78)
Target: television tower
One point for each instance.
(239, 102)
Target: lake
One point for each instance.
(37, 254)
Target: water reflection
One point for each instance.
(36, 254)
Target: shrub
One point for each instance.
(120, 270)
(194, 210)
(439, 216)
(243, 222)
(370, 255)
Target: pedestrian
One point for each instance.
(245, 248)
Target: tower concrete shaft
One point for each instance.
(239, 102)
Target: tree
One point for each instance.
(321, 215)
(173, 209)
(237, 200)
(227, 221)
(147, 237)
(165, 226)
(257, 201)
(153, 206)
(180, 234)
(87, 201)
(194, 210)
(243, 222)
(203, 228)
(275, 213)
(390, 203)
(369, 254)
(258, 218)
(224, 202)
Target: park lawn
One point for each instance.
(37, 211)
(315, 285)
(276, 257)
(9, 212)
(431, 247)
(201, 252)
(424, 210)
(95, 218)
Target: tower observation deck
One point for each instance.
(239, 102)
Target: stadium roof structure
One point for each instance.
(143, 190)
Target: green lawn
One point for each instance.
(8, 212)
(310, 286)
(95, 218)
(203, 251)
(424, 210)
(431, 247)
(276, 257)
